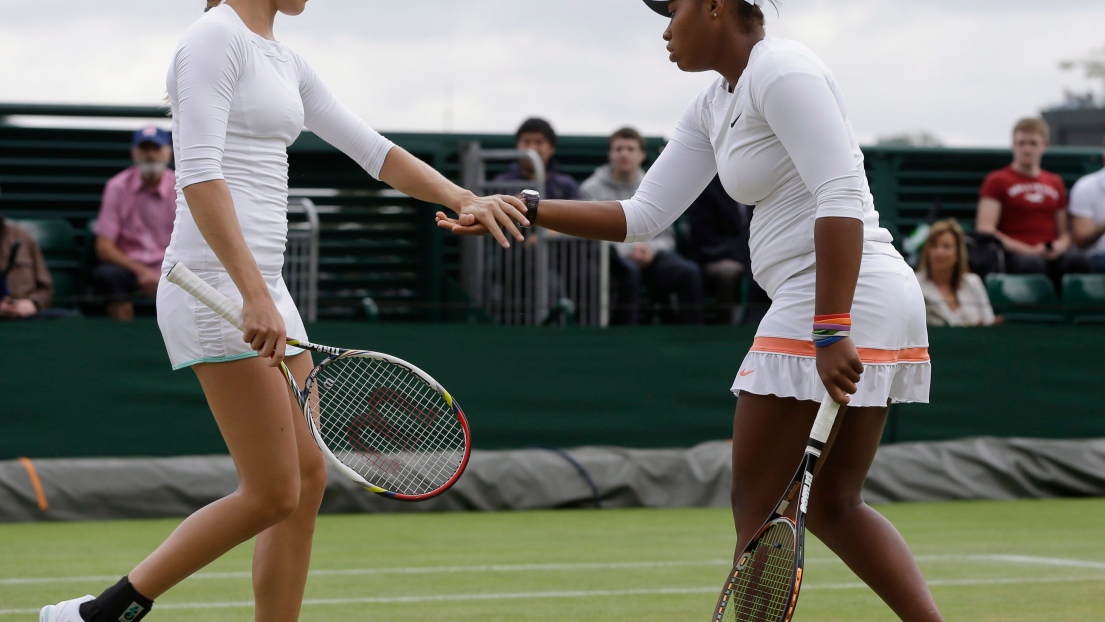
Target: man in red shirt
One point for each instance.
(135, 224)
(1025, 207)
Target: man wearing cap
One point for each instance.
(135, 224)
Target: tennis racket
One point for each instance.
(764, 584)
(384, 423)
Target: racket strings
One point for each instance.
(379, 447)
(762, 589)
(387, 424)
(385, 445)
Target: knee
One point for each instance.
(827, 512)
(312, 482)
(273, 503)
(738, 498)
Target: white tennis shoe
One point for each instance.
(65, 611)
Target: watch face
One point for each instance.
(531, 197)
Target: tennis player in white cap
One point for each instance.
(774, 125)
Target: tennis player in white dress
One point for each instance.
(775, 126)
(239, 98)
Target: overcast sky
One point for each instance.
(963, 70)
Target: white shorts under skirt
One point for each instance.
(888, 328)
(195, 334)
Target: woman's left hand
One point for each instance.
(491, 214)
(839, 367)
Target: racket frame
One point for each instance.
(797, 490)
(183, 277)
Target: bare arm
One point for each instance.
(594, 220)
(415, 178)
(213, 210)
(839, 250)
(1062, 228)
(108, 252)
(986, 221)
(1085, 231)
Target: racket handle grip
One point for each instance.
(826, 416)
(213, 298)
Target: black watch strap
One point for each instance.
(532, 199)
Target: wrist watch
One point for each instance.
(531, 198)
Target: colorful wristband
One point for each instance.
(829, 329)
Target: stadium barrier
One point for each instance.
(532, 479)
(111, 393)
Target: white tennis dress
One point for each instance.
(238, 100)
(781, 141)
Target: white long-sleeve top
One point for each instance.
(781, 141)
(238, 101)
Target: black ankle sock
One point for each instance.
(119, 603)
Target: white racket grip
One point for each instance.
(826, 415)
(213, 298)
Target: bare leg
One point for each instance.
(769, 436)
(250, 402)
(864, 539)
(283, 552)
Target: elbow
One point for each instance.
(642, 236)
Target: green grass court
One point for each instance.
(997, 561)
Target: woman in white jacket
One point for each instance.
(775, 128)
(239, 98)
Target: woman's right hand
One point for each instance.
(840, 369)
(263, 329)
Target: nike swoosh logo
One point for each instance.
(748, 372)
(734, 123)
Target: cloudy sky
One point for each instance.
(963, 70)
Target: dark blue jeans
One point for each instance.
(1097, 262)
(113, 282)
(668, 274)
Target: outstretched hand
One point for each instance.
(483, 215)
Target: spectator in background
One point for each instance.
(719, 243)
(26, 288)
(1087, 210)
(655, 263)
(135, 224)
(1024, 206)
(538, 135)
(954, 296)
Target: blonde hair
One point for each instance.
(939, 228)
(212, 4)
(1033, 125)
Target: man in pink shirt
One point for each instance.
(135, 224)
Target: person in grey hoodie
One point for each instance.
(654, 264)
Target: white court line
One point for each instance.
(574, 594)
(350, 572)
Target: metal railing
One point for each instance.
(549, 277)
(301, 256)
